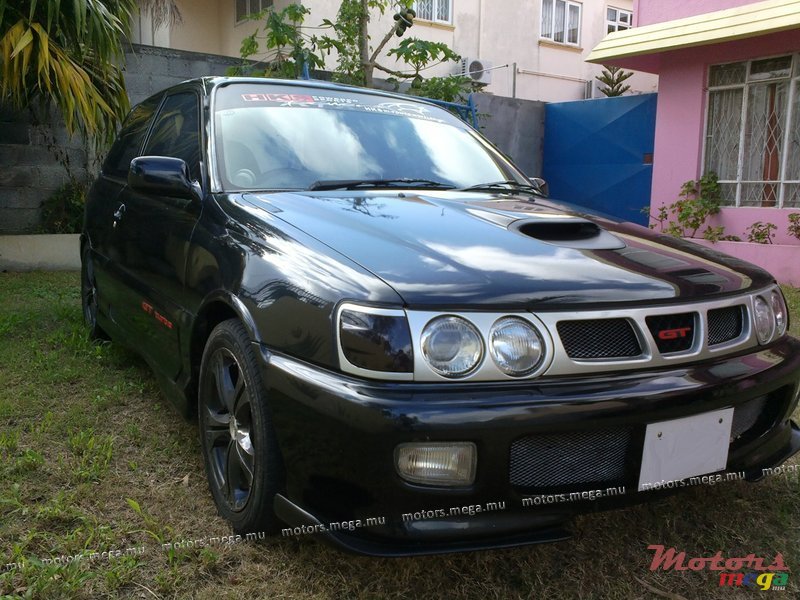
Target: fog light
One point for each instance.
(444, 463)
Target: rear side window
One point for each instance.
(130, 139)
(176, 132)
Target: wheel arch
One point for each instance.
(83, 242)
(215, 309)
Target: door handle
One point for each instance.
(118, 214)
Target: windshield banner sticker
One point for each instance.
(403, 109)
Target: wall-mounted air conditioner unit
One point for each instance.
(478, 69)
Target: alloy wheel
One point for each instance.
(89, 293)
(227, 428)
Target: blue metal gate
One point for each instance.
(599, 153)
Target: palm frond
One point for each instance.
(163, 12)
(81, 79)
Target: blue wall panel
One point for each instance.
(596, 153)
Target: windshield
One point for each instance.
(293, 138)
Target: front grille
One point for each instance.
(745, 416)
(672, 333)
(599, 338)
(563, 459)
(725, 324)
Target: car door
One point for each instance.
(104, 204)
(154, 233)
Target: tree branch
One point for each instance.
(382, 45)
(395, 73)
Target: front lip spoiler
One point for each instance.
(552, 531)
(778, 458)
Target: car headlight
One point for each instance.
(516, 346)
(375, 339)
(764, 318)
(780, 312)
(451, 346)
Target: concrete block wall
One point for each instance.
(516, 127)
(29, 172)
(150, 69)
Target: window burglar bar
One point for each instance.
(437, 11)
(753, 131)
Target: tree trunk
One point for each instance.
(364, 43)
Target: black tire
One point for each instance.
(242, 459)
(89, 297)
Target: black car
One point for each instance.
(392, 338)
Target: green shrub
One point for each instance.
(63, 211)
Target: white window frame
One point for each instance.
(252, 6)
(551, 37)
(435, 11)
(794, 82)
(618, 25)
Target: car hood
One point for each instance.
(456, 249)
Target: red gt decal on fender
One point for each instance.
(148, 308)
(163, 320)
(674, 334)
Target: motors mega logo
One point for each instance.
(774, 576)
(764, 581)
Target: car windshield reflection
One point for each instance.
(292, 147)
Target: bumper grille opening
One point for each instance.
(599, 339)
(746, 416)
(564, 459)
(757, 416)
(725, 324)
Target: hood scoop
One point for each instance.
(568, 233)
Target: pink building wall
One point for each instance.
(680, 123)
(647, 12)
(680, 126)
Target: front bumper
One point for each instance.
(337, 436)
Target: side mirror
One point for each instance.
(162, 176)
(542, 185)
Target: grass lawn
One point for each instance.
(92, 458)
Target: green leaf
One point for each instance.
(134, 505)
(26, 39)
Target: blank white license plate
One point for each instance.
(686, 447)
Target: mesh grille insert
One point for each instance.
(561, 459)
(672, 333)
(725, 324)
(599, 338)
(745, 416)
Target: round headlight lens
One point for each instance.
(451, 346)
(516, 346)
(765, 321)
(780, 312)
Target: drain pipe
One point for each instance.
(480, 26)
(514, 80)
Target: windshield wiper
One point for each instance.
(505, 186)
(353, 184)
